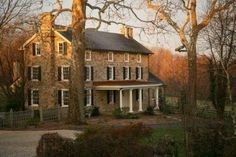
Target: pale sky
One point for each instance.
(170, 41)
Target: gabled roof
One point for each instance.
(105, 41)
(153, 78)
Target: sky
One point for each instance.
(167, 40)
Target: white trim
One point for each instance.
(89, 95)
(56, 32)
(127, 78)
(29, 40)
(118, 87)
(139, 59)
(62, 72)
(31, 92)
(90, 56)
(31, 69)
(112, 56)
(37, 44)
(139, 73)
(112, 73)
(90, 72)
(63, 47)
(126, 60)
(62, 97)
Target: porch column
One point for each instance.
(157, 98)
(140, 100)
(131, 101)
(121, 100)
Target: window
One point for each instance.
(62, 47)
(110, 73)
(111, 97)
(34, 73)
(126, 57)
(63, 97)
(35, 97)
(64, 73)
(139, 58)
(88, 56)
(36, 49)
(126, 73)
(88, 73)
(110, 57)
(88, 94)
(139, 73)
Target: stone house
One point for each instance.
(116, 69)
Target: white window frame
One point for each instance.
(139, 73)
(88, 56)
(37, 45)
(127, 78)
(32, 98)
(62, 72)
(63, 47)
(112, 73)
(89, 97)
(90, 73)
(112, 57)
(139, 59)
(62, 97)
(35, 66)
(126, 59)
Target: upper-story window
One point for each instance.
(139, 58)
(88, 73)
(110, 57)
(64, 73)
(62, 48)
(110, 73)
(33, 97)
(88, 56)
(88, 95)
(34, 73)
(126, 57)
(36, 49)
(126, 73)
(139, 73)
(63, 97)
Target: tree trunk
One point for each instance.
(76, 107)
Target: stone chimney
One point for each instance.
(127, 31)
(46, 21)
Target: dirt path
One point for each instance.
(24, 143)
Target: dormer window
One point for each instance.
(62, 48)
(139, 58)
(36, 49)
(126, 57)
(110, 57)
(88, 56)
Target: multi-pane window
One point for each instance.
(62, 48)
(88, 56)
(88, 94)
(110, 57)
(88, 73)
(111, 97)
(63, 97)
(126, 73)
(36, 49)
(64, 73)
(139, 58)
(110, 73)
(35, 97)
(126, 57)
(139, 73)
(34, 73)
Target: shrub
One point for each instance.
(149, 110)
(95, 111)
(119, 114)
(52, 144)
(34, 121)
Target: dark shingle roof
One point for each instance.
(105, 41)
(153, 78)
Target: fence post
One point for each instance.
(41, 114)
(59, 112)
(11, 118)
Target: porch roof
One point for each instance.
(128, 84)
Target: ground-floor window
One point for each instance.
(88, 97)
(63, 97)
(35, 97)
(111, 97)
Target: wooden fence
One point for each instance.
(21, 119)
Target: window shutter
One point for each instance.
(114, 73)
(114, 96)
(39, 74)
(142, 73)
(108, 98)
(136, 71)
(29, 73)
(130, 73)
(92, 73)
(85, 97)
(69, 72)
(92, 93)
(29, 97)
(59, 73)
(65, 48)
(107, 73)
(33, 49)
(59, 97)
(85, 73)
(123, 72)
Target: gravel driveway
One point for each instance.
(24, 143)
